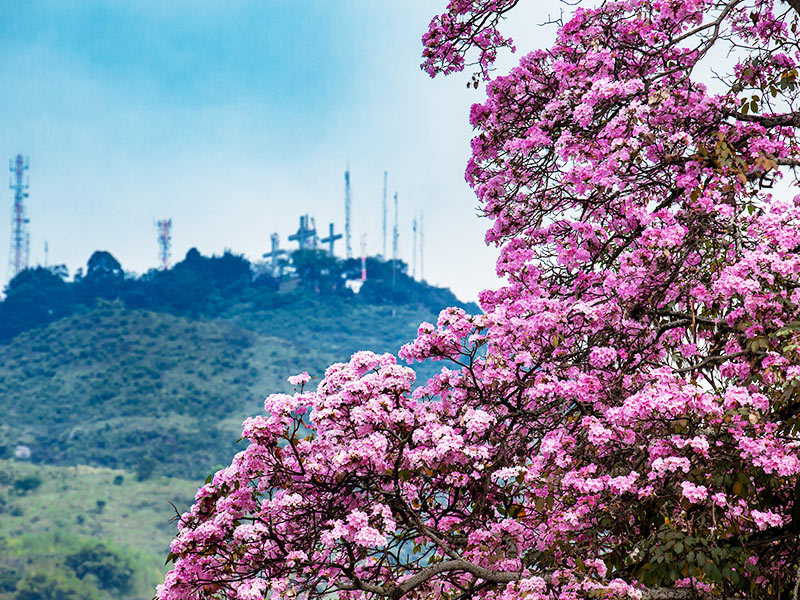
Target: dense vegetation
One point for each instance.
(83, 532)
(201, 286)
(156, 373)
(128, 390)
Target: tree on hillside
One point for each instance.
(196, 285)
(34, 298)
(623, 419)
(104, 277)
(319, 271)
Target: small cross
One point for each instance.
(330, 239)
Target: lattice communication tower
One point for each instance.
(20, 238)
(348, 247)
(385, 177)
(164, 229)
(395, 230)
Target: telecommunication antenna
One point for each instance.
(20, 239)
(421, 250)
(395, 231)
(414, 253)
(164, 229)
(395, 236)
(385, 176)
(46, 252)
(348, 248)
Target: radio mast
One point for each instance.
(164, 228)
(20, 239)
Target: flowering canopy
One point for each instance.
(623, 419)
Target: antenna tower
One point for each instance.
(395, 232)
(348, 248)
(395, 235)
(421, 250)
(164, 228)
(414, 254)
(20, 240)
(385, 175)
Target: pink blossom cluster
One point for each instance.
(466, 24)
(625, 415)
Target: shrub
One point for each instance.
(112, 572)
(27, 484)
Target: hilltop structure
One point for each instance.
(20, 238)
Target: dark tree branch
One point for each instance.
(795, 4)
(425, 575)
(769, 121)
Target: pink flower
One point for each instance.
(693, 493)
(300, 379)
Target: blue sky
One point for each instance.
(233, 118)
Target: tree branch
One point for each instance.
(795, 4)
(453, 565)
(784, 120)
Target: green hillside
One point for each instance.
(128, 391)
(128, 388)
(78, 533)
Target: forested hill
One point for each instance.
(201, 286)
(155, 373)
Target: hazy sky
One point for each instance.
(233, 118)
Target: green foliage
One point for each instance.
(206, 286)
(107, 370)
(320, 272)
(50, 540)
(145, 468)
(198, 285)
(671, 554)
(9, 578)
(34, 298)
(23, 485)
(104, 397)
(108, 385)
(109, 569)
(6, 477)
(43, 586)
(388, 283)
(104, 278)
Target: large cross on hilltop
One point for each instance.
(306, 235)
(330, 239)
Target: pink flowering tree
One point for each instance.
(623, 421)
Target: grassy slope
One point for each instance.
(39, 527)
